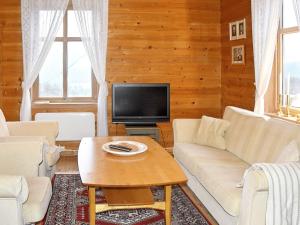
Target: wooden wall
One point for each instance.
(10, 58)
(237, 80)
(175, 41)
(1, 77)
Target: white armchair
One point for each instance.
(24, 196)
(33, 131)
(13, 194)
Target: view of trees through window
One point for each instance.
(66, 73)
(290, 57)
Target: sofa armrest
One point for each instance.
(49, 129)
(20, 158)
(254, 199)
(13, 193)
(185, 129)
(14, 187)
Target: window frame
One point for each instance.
(279, 64)
(65, 40)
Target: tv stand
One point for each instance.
(143, 130)
(141, 125)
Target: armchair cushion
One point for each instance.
(3, 126)
(35, 208)
(21, 157)
(8, 139)
(51, 154)
(211, 132)
(48, 129)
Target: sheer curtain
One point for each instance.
(92, 19)
(265, 21)
(40, 22)
(297, 10)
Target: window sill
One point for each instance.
(47, 104)
(293, 119)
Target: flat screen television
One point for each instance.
(135, 104)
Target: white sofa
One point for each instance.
(213, 174)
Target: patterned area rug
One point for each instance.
(69, 205)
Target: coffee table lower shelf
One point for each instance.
(129, 198)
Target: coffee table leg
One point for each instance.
(92, 205)
(168, 190)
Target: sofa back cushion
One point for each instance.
(3, 126)
(277, 135)
(245, 128)
(290, 153)
(255, 138)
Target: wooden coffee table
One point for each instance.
(126, 180)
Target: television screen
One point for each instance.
(140, 103)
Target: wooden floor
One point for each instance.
(68, 164)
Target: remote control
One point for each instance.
(120, 147)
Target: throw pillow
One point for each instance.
(51, 154)
(290, 153)
(3, 126)
(211, 132)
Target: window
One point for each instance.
(66, 75)
(289, 57)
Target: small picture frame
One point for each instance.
(233, 31)
(238, 55)
(241, 29)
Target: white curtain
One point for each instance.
(92, 19)
(297, 10)
(265, 21)
(40, 22)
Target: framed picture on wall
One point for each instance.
(233, 31)
(238, 54)
(241, 29)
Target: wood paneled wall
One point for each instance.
(169, 41)
(1, 77)
(174, 41)
(10, 58)
(237, 80)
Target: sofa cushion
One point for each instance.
(190, 154)
(278, 134)
(40, 192)
(270, 140)
(218, 171)
(211, 132)
(246, 129)
(255, 138)
(290, 153)
(3, 126)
